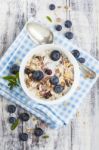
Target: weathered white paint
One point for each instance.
(83, 132)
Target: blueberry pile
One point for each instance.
(23, 117)
(67, 24)
(76, 54)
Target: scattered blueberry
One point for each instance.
(11, 108)
(58, 88)
(23, 136)
(12, 120)
(69, 35)
(54, 80)
(37, 75)
(76, 53)
(48, 71)
(38, 132)
(58, 27)
(24, 116)
(27, 71)
(14, 69)
(51, 6)
(81, 59)
(55, 55)
(68, 23)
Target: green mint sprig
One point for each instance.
(13, 80)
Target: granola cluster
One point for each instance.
(49, 75)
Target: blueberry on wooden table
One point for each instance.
(69, 35)
(76, 53)
(11, 108)
(81, 59)
(54, 80)
(58, 27)
(23, 136)
(51, 6)
(24, 116)
(38, 132)
(58, 88)
(12, 120)
(14, 69)
(68, 24)
(37, 75)
(55, 55)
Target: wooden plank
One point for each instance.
(85, 132)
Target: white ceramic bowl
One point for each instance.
(38, 50)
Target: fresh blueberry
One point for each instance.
(23, 136)
(14, 69)
(81, 60)
(69, 35)
(58, 27)
(48, 71)
(27, 71)
(68, 23)
(38, 132)
(58, 88)
(51, 6)
(11, 108)
(12, 120)
(37, 75)
(76, 53)
(24, 116)
(54, 80)
(55, 55)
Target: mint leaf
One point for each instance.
(9, 78)
(13, 80)
(45, 137)
(49, 18)
(15, 124)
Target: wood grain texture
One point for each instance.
(83, 131)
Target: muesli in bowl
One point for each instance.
(48, 74)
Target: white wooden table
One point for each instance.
(83, 131)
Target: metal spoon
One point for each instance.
(42, 35)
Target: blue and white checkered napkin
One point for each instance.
(57, 115)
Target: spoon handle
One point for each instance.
(88, 73)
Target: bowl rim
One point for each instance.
(71, 59)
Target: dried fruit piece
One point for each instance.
(27, 71)
(48, 71)
(47, 95)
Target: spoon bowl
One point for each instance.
(38, 33)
